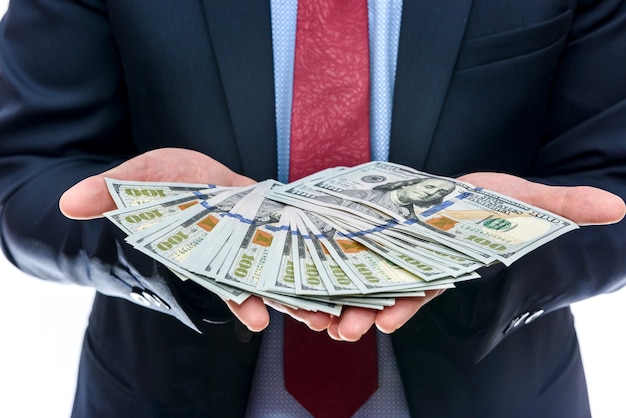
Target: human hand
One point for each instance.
(583, 205)
(90, 198)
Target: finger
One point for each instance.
(87, 199)
(90, 198)
(354, 322)
(251, 312)
(585, 205)
(393, 317)
(317, 321)
(582, 204)
(333, 329)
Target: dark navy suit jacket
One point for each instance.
(535, 88)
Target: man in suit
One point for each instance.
(534, 89)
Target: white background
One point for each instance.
(42, 325)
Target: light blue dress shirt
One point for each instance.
(268, 397)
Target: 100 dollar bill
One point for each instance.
(456, 213)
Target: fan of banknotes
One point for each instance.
(360, 236)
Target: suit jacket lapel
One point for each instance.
(430, 37)
(242, 39)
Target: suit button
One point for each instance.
(154, 299)
(243, 334)
(147, 298)
(515, 322)
(533, 316)
(137, 296)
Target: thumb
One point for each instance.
(584, 205)
(87, 199)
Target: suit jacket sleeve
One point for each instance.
(583, 143)
(64, 117)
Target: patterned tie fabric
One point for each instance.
(330, 108)
(329, 127)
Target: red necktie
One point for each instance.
(329, 127)
(330, 108)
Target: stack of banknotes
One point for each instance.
(360, 236)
